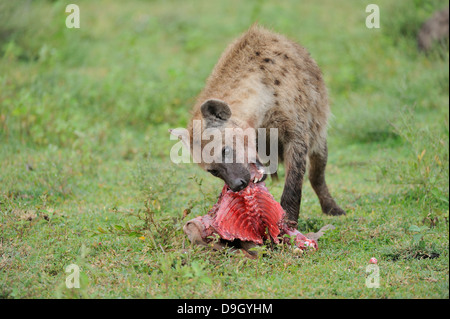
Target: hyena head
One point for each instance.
(224, 145)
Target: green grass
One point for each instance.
(86, 177)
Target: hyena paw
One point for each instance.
(333, 210)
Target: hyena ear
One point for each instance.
(215, 111)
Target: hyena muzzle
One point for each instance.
(264, 80)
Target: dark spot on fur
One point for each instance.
(276, 82)
(317, 126)
(298, 99)
(275, 94)
(262, 67)
(267, 60)
(277, 53)
(265, 81)
(277, 103)
(286, 56)
(317, 76)
(258, 53)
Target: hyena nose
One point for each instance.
(239, 184)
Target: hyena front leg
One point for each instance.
(317, 165)
(295, 165)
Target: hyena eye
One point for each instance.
(214, 172)
(226, 151)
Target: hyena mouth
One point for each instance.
(257, 173)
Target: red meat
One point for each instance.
(250, 215)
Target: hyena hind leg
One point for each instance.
(316, 174)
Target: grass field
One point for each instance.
(86, 178)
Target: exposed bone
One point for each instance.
(320, 233)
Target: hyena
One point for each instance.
(264, 80)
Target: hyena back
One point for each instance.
(264, 80)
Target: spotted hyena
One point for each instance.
(264, 80)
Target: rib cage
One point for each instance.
(251, 215)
